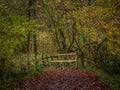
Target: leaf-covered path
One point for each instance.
(64, 79)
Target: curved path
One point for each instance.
(64, 79)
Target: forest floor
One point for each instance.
(64, 79)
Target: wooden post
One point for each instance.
(20, 63)
(51, 60)
(63, 62)
(57, 57)
(76, 57)
(43, 60)
(47, 60)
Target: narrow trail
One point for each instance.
(64, 79)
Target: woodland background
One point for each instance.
(30, 29)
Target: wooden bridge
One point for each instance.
(48, 60)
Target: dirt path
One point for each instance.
(64, 79)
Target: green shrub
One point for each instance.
(112, 65)
(108, 61)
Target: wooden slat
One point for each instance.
(63, 54)
(57, 55)
(60, 61)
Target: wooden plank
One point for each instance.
(57, 55)
(60, 61)
(63, 54)
(76, 61)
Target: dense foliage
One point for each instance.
(89, 27)
(14, 29)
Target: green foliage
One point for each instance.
(108, 79)
(16, 79)
(77, 20)
(72, 24)
(14, 29)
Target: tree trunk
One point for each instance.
(28, 37)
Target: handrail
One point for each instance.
(68, 54)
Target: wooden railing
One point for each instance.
(48, 60)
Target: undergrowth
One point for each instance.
(12, 81)
(111, 80)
